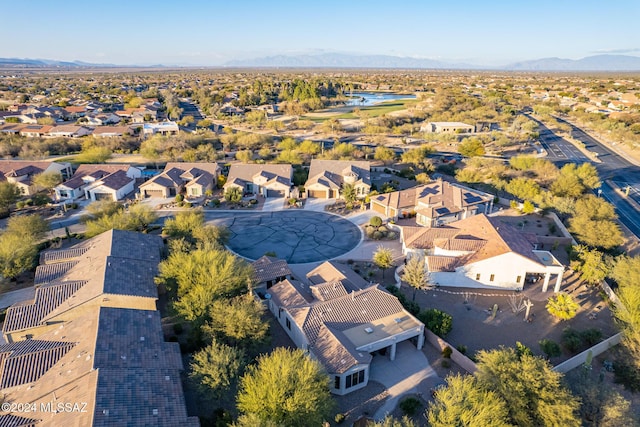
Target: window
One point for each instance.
(493, 276)
(478, 276)
(280, 313)
(355, 379)
(518, 279)
(288, 324)
(336, 382)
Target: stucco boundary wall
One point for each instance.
(463, 361)
(594, 351)
(561, 227)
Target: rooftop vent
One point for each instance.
(368, 330)
(155, 412)
(397, 320)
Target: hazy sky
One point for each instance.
(490, 32)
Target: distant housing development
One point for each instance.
(447, 127)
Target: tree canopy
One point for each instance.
(238, 322)
(19, 244)
(286, 387)
(383, 258)
(533, 391)
(216, 367)
(464, 403)
(415, 274)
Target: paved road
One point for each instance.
(611, 167)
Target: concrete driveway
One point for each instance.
(410, 373)
(272, 204)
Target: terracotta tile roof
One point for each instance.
(423, 238)
(459, 244)
(287, 294)
(269, 268)
(442, 263)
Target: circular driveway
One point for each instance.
(294, 235)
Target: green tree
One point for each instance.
(415, 274)
(286, 387)
(200, 277)
(93, 155)
(550, 348)
(288, 144)
(383, 258)
(626, 272)
(9, 194)
(417, 156)
(533, 391)
(238, 322)
(523, 188)
(184, 224)
(464, 403)
(592, 265)
(384, 154)
(233, 194)
(244, 156)
(47, 180)
(216, 367)
(471, 147)
(137, 218)
(289, 156)
(437, 321)
(19, 244)
(309, 147)
(593, 223)
(348, 193)
(562, 306)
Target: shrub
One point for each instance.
(375, 221)
(437, 321)
(591, 336)
(383, 229)
(627, 375)
(377, 235)
(178, 328)
(391, 235)
(40, 200)
(412, 307)
(446, 352)
(445, 363)
(410, 406)
(462, 348)
(571, 340)
(20, 204)
(253, 202)
(73, 206)
(179, 198)
(187, 204)
(513, 204)
(340, 418)
(550, 348)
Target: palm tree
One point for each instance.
(349, 193)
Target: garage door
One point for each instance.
(378, 208)
(275, 193)
(103, 196)
(320, 194)
(153, 193)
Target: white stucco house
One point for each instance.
(342, 321)
(86, 182)
(481, 252)
(327, 177)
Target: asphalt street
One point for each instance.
(611, 167)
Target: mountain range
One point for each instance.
(341, 60)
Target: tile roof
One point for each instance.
(86, 169)
(331, 271)
(247, 172)
(269, 268)
(116, 180)
(24, 362)
(442, 263)
(47, 298)
(11, 420)
(423, 238)
(330, 173)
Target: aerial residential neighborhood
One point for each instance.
(373, 222)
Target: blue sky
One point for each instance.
(213, 32)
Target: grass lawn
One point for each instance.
(372, 111)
